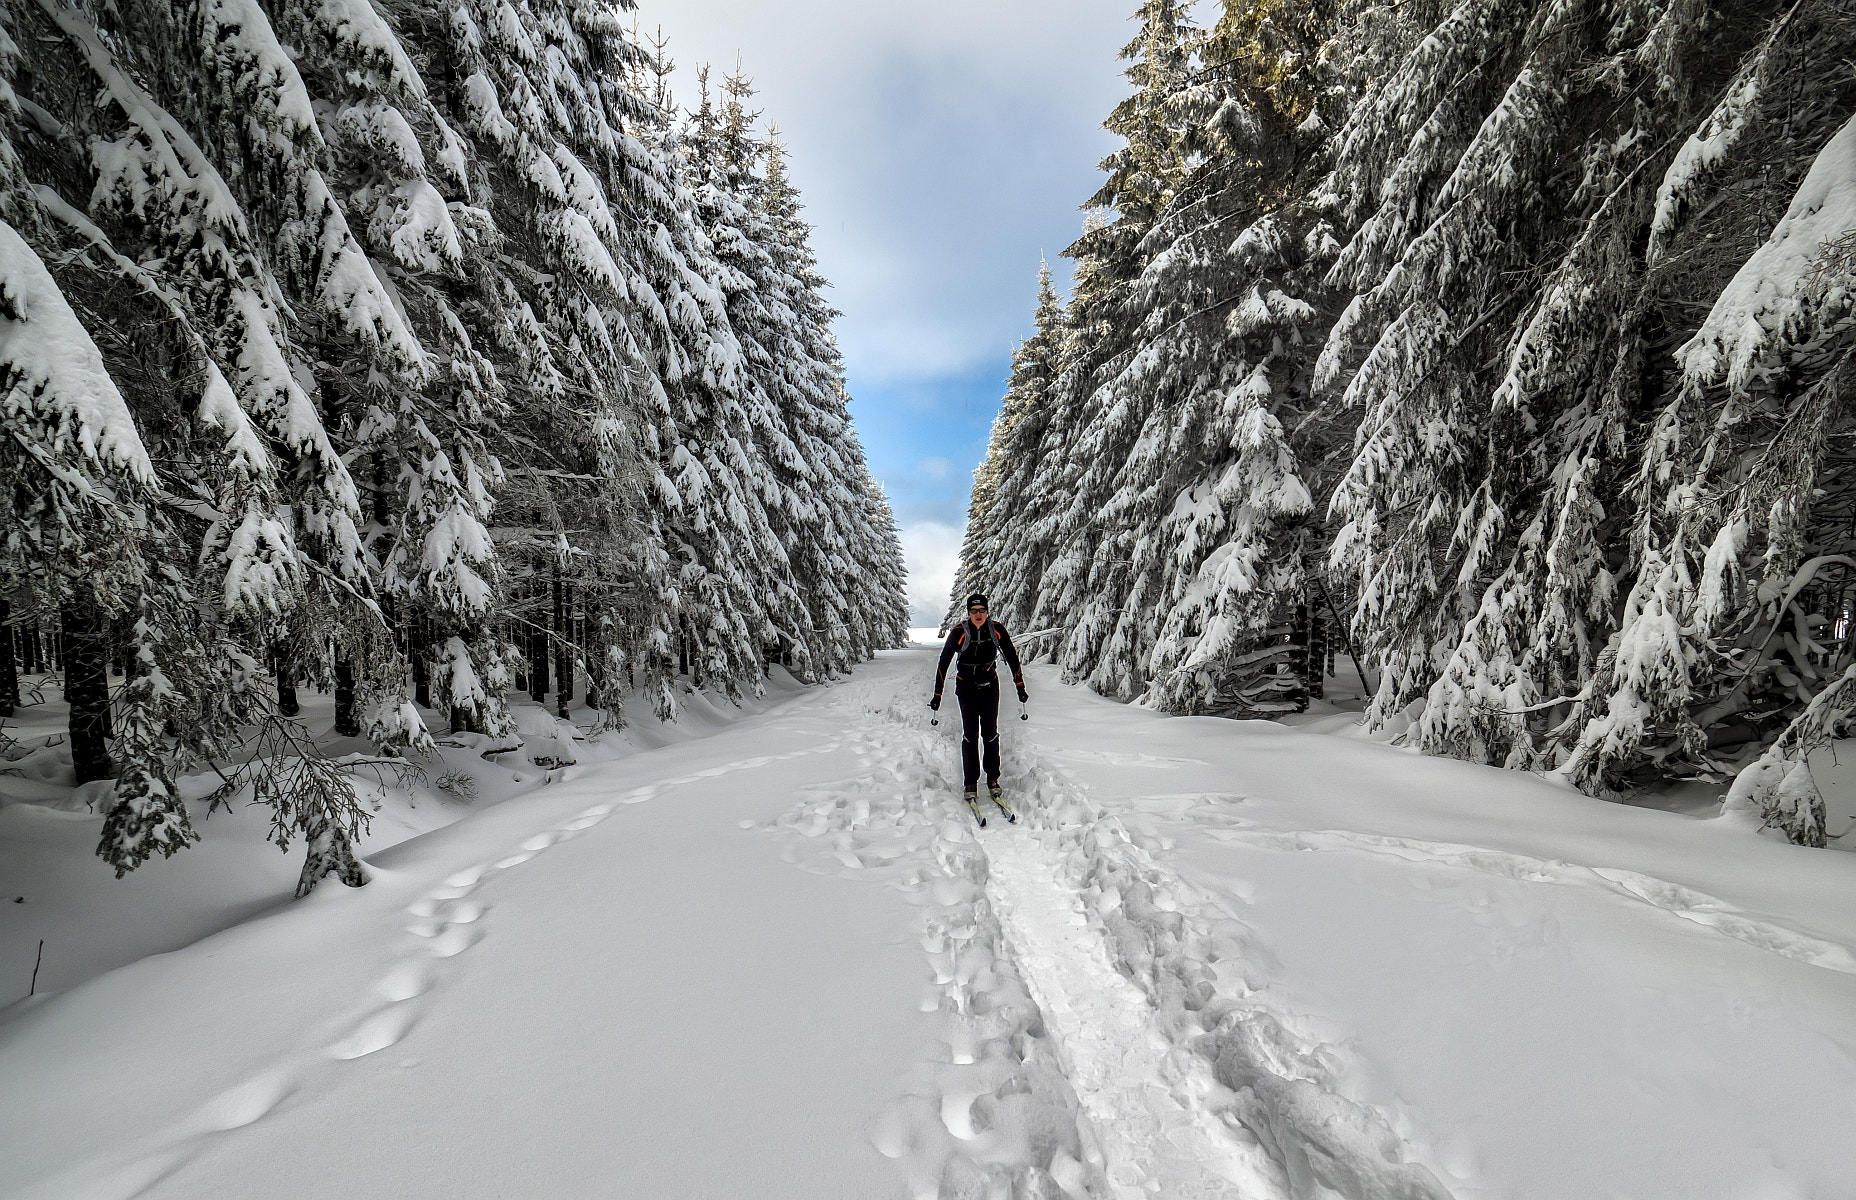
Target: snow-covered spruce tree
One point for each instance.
(174, 270)
(1031, 555)
(1091, 584)
(1759, 497)
(412, 429)
(803, 604)
(996, 556)
(79, 477)
(542, 98)
(332, 302)
(713, 519)
(883, 572)
(1186, 493)
(1547, 539)
(847, 530)
(1210, 502)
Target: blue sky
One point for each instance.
(940, 148)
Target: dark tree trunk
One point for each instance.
(286, 682)
(563, 645)
(421, 666)
(463, 720)
(1316, 675)
(347, 721)
(538, 648)
(1299, 656)
(9, 671)
(591, 637)
(87, 690)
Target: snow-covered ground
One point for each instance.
(776, 958)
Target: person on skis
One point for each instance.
(976, 645)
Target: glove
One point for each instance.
(1023, 695)
(935, 704)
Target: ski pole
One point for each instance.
(1022, 714)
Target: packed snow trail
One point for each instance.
(1129, 1078)
(1210, 1097)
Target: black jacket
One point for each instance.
(979, 651)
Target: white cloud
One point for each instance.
(935, 467)
(938, 147)
(932, 552)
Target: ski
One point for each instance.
(974, 804)
(1009, 814)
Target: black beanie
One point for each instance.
(977, 598)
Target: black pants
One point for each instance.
(979, 722)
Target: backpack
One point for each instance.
(968, 661)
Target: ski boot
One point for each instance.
(973, 802)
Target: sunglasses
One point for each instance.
(977, 608)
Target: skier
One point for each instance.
(978, 642)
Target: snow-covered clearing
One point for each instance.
(1214, 959)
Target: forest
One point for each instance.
(422, 354)
(1503, 346)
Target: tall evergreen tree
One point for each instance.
(1184, 351)
(343, 335)
(996, 555)
(1547, 563)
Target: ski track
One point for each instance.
(445, 923)
(1103, 1035)
(989, 1113)
(1672, 898)
(1144, 1096)
(1204, 978)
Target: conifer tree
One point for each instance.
(1546, 541)
(338, 335)
(1183, 353)
(997, 556)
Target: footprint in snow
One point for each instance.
(376, 1032)
(405, 981)
(239, 1106)
(455, 940)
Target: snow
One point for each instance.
(1775, 296)
(364, 38)
(1705, 150)
(417, 225)
(59, 394)
(486, 111)
(766, 952)
(237, 41)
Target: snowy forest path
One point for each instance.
(782, 960)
